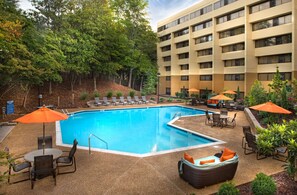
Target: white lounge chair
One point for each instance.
(97, 102)
(105, 101)
(122, 101)
(114, 101)
(130, 101)
(144, 99)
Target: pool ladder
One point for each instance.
(92, 135)
(176, 115)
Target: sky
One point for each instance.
(158, 9)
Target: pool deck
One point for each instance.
(103, 173)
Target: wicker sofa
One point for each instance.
(200, 176)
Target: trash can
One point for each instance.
(9, 107)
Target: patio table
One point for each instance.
(48, 151)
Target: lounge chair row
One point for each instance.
(122, 101)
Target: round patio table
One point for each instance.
(48, 151)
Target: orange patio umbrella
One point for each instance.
(229, 92)
(193, 90)
(42, 115)
(271, 107)
(220, 97)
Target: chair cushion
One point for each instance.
(21, 166)
(202, 162)
(227, 154)
(64, 159)
(189, 158)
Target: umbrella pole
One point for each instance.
(43, 143)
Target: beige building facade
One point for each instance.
(218, 45)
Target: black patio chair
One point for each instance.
(43, 167)
(48, 142)
(69, 160)
(231, 122)
(281, 154)
(208, 120)
(244, 130)
(16, 167)
(216, 120)
(251, 146)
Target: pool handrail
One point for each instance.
(98, 139)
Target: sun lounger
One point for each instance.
(105, 101)
(130, 101)
(122, 101)
(144, 99)
(114, 101)
(137, 100)
(97, 102)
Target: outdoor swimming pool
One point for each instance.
(134, 131)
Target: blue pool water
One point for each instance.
(137, 130)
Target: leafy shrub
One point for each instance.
(132, 93)
(263, 185)
(119, 94)
(161, 99)
(109, 94)
(152, 98)
(228, 188)
(177, 94)
(143, 93)
(96, 94)
(169, 100)
(84, 95)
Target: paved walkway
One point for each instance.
(102, 173)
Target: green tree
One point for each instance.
(257, 94)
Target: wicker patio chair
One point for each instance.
(244, 130)
(231, 122)
(251, 146)
(216, 120)
(208, 120)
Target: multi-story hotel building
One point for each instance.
(227, 44)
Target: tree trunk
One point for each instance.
(10, 87)
(50, 88)
(27, 88)
(95, 83)
(80, 80)
(121, 77)
(141, 83)
(133, 82)
(72, 82)
(130, 77)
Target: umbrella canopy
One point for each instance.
(193, 90)
(271, 107)
(220, 97)
(42, 115)
(229, 92)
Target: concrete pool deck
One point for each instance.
(103, 173)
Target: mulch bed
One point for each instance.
(285, 185)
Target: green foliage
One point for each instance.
(119, 94)
(152, 98)
(263, 185)
(84, 95)
(228, 188)
(169, 100)
(109, 94)
(149, 84)
(132, 93)
(143, 93)
(257, 94)
(4, 156)
(96, 94)
(161, 99)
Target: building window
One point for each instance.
(182, 44)
(168, 91)
(222, 3)
(234, 47)
(168, 78)
(272, 22)
(231, 32)
(181, 32)
(266, 5)
(234, 77)
(165, 38)
(205, 65)
(205, 77)
(203, 39)
(234, 62)
(184, 78)
(183, 55)
(184, 67)
(167, 68)
(204, 52)
(277, 40)
(201, 11)
(202, 25)
(282, 58)
(269, 76)
(230, 16)
(166, 48)
(167, 58)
